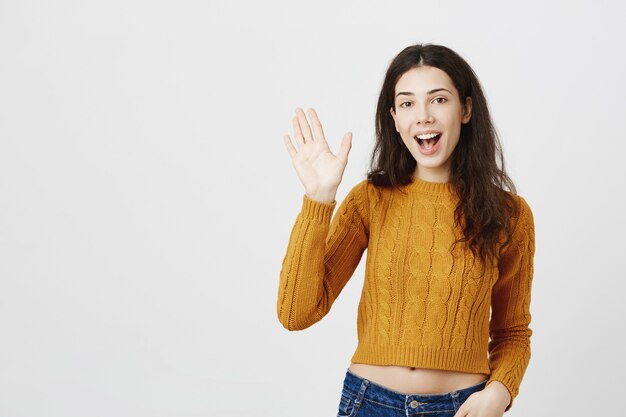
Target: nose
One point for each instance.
(422, 114)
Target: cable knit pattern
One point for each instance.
(423, 304)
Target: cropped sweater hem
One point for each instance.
(433, 357)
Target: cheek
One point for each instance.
(403, 124)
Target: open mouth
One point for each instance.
(428, 143)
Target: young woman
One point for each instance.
(443, 320)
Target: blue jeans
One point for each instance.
(364, 398)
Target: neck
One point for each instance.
(441, 175)
(431, 187)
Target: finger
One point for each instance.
(304, 125)
(296, 131)
(460, 413)
(346, 145)
(290, 148)
(317, 125)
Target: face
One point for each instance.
(428, 104)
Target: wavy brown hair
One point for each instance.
(478, 175)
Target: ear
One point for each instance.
(393, 114)
(467, 111)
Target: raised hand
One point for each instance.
(319, 170)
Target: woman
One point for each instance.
(447, 243)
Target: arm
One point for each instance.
(321, 257)
(509, 345)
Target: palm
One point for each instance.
(319, 170)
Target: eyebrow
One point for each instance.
(408, 93)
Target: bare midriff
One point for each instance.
(407, 380)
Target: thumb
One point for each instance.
(346, 145)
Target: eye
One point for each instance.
(441, 98)
(403, 104)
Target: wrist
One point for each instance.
(500, 391)
(322, 197)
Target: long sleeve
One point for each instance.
(321, 257)
(509, 345)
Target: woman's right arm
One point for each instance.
(321, 257)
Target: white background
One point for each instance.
(146, 196)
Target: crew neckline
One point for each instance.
(430, 187)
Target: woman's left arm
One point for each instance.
(509, 345)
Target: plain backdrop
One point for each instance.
(146, 196)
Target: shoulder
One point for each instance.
(372, 192)
(522, 218)
(522, 229)
(363, 196)
(525, 215)
(362, 190)
(359, 193)
(521, 208)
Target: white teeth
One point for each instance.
(429, 136)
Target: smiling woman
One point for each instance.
(443, 321)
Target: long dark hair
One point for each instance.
(485, 208)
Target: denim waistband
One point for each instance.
(364, 389)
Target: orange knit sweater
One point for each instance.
(422, 305)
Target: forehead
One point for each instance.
(420, 80)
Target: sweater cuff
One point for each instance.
(317, 210)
